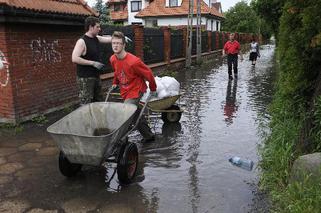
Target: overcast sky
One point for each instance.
(226, 4)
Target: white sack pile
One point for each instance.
(166, 86)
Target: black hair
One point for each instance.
(90, 21)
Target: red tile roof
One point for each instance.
(119, 15)
(157, 8)
(74, 7)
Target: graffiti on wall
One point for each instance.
(44, 51)
(4, 70)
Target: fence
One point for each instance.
(155, 45)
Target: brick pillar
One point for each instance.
(139, 41)
(184, 30)
(223, 39)
(217, 40)
(167, 44)
(209, 41)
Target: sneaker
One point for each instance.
(235, 75)
(147, 140)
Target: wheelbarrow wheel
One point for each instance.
(127, 164)
(172, 117)
(66, 168)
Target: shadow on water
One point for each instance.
(184, 170)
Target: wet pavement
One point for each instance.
(185, 170)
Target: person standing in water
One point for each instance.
(254, 51)
(232, 48)
(130, 74)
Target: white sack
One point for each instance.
(166, 86)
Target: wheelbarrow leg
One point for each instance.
(66, 168)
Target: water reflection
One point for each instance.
(166, 152)
(170, 130)
(230, 106)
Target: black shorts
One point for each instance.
(253, 56)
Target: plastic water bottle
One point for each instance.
(242, 163)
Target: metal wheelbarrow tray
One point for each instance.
(170, 112)
(76, 134)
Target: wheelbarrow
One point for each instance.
(97, 133)
(170, 112)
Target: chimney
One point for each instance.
(216, 5)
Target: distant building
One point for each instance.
(164, 13)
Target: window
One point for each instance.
(136, 6)
(173, 3)
(151, 23)
(117, 7)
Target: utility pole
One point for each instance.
(188, 61)
(198, 33)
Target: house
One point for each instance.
(36, 41)
(118, 11)
(165, 13)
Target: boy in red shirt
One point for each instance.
(232, 48)
(130, 74)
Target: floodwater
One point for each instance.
(185, 170)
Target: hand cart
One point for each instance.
(97, 133)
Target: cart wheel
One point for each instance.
(127, 164)
(66, 168)
(171, 117)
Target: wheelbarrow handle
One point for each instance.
(139, 117)
(108, 93)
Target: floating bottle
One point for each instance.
(242, 163)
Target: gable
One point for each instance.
(158, 8)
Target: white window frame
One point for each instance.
(139, 6)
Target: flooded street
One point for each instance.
(185, 170)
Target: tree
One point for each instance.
(241, 18)
(101, 7)
(270, 11)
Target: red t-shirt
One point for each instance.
(232, 47)
(130, 74)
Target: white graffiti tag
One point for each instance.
(4, 70)
(43, 51)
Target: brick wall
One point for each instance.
(42, 76)
(6, 97)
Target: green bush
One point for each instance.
(40, 119)
(299, 61)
